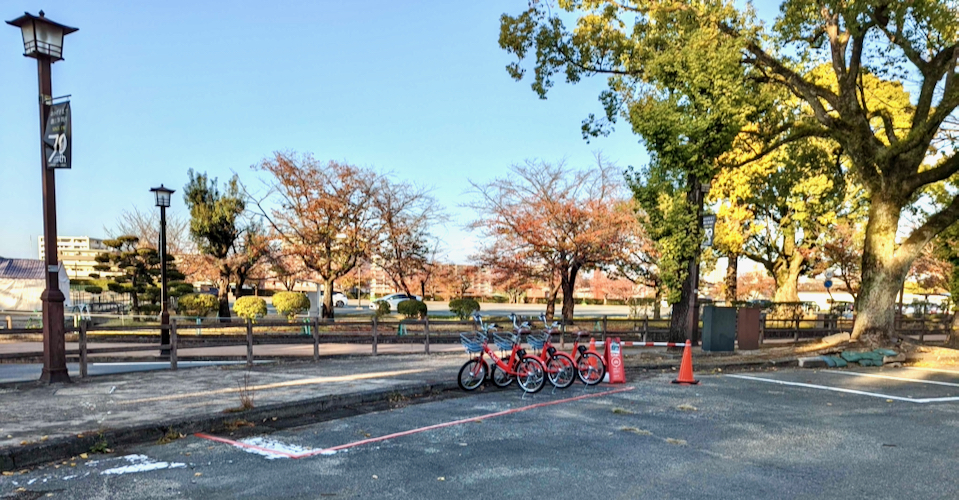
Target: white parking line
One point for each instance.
(939, 370)
(887, 377)
(848, 391)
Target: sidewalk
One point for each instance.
(41, 423)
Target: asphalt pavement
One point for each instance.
(728, 438)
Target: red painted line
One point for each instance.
(412, 431)
(245, 445)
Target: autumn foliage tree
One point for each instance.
(323, 213)
(564, 220)
(405, 214)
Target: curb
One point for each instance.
(13, 458)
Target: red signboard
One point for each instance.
(614, 362)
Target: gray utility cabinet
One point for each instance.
(719, 329)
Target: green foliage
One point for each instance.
(137, 269)
(179, 289)
(149, 309)
(215, 224)
(290, 304)
(463, 308)
(382, 309)
(197, 304)
(412, 309)
(95, 290)
(251, 308)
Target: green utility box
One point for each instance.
(719, 329)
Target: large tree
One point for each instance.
(217, 227)
(778, 208)
(862, 42)
(563, 219)
(324, 214)
(406, 213)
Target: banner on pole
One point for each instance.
(709, 225)
(57, 136)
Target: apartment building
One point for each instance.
(77, 254)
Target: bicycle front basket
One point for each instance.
(505, 340)
(537, 340)
(473, 341)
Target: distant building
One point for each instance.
(77, 254)
(22, 281)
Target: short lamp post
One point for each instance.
(163, 195)
(43, 41)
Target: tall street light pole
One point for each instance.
(163, 195)
(43, 41)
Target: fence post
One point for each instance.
(316, 339)
(762, 327)
(605, 318)
(796, 334)
(9, 323)
(922, 329)
(374, 335)
(645, 328)
(249, 343)
(427, 341)
(562, 335)
(83, 349)
(173, 342)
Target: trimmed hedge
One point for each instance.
(412, 309)
(251, 308)
(197, 304)
(290, 304)
(382, 309)
(464, 308)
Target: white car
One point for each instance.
(339, 299)
(393, 300)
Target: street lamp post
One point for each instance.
(43, 41)
(163, 195)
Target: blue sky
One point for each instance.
(413, 87)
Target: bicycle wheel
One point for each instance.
(472, 374)
(531, 374)
(500, 377)
(561, 371)
(590, 368)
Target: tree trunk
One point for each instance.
(223, 295)
(730, 291)
(883, 273)
(786, 268)
(551, 303)
(952, 340)
(326, 311)
(787, 282)
(679, 322)
(658, 303)
(568, 283)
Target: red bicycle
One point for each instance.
(560, 367)
(590, 367)
(528, 371)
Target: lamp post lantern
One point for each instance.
(163, 195)
(43, 41)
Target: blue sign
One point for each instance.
(827, 284)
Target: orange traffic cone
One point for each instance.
(686, 367)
